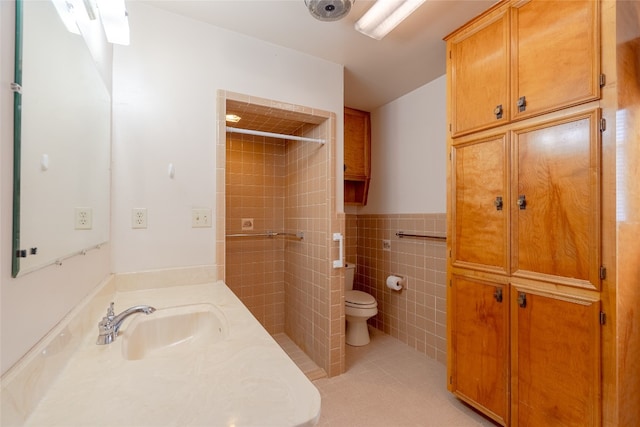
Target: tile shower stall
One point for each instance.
(288, 187)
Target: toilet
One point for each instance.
(359, 306)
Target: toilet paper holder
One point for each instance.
(396, 282)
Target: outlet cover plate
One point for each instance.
(200, 217)
(139, 218)
(83, 218)
(386, 245)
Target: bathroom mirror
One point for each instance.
(62, 135)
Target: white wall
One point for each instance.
(31, 305)
(165, 87)
(408, 153)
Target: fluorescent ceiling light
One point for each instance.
(115, 21)
(384, 16)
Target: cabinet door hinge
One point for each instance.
(602, 80)
(450, 283)
(603, 272)
(450, 379)
(449, 253)
(603, 318)
(603, 124)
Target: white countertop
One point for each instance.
(244, 380)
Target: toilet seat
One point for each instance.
(359, 299)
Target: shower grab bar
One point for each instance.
(298, 235)
(274, 135)
(402, 234)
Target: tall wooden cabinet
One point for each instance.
(525, 313)
(531, 57)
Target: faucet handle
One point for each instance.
(105, 323)
(110, 312)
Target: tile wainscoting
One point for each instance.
(417, 314)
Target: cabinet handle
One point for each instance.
(522, 299)
(522, 103)
(498, 111)
(498, 294)
(498, 203)
(522, 202)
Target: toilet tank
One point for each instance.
(350, 271)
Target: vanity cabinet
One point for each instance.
(532, 57)
(357, 156)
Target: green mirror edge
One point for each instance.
(17, 127)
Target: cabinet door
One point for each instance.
(555, 55)
(555, 201)
(479, 345)
(479, 67)
(357, 144)
(555, 360)
(480, 204)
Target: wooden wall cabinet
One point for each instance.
(525, 211)
(357, 156)
(532, 56)
(525, 215)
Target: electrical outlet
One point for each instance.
(200, 217)
(139, 218)
(386, 245)
(83, 218)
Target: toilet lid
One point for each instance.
(359, 298)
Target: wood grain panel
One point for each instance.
(555, 54)
(480, 339)
(356, 144)
(556, 361)
(481, 230)
(556, 169)
(479, 74)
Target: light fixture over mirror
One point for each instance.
(111, 13)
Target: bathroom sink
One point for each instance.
(173, 329)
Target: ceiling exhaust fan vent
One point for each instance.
(329, 10)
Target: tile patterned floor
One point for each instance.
(389, 384)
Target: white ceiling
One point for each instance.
(375, 72)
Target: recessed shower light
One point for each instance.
(233, 118)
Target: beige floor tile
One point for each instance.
(389, 384)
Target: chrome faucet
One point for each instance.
(109, 326)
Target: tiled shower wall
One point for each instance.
(417, 314)
(255, 177)
(308, 207)
(287, 283)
